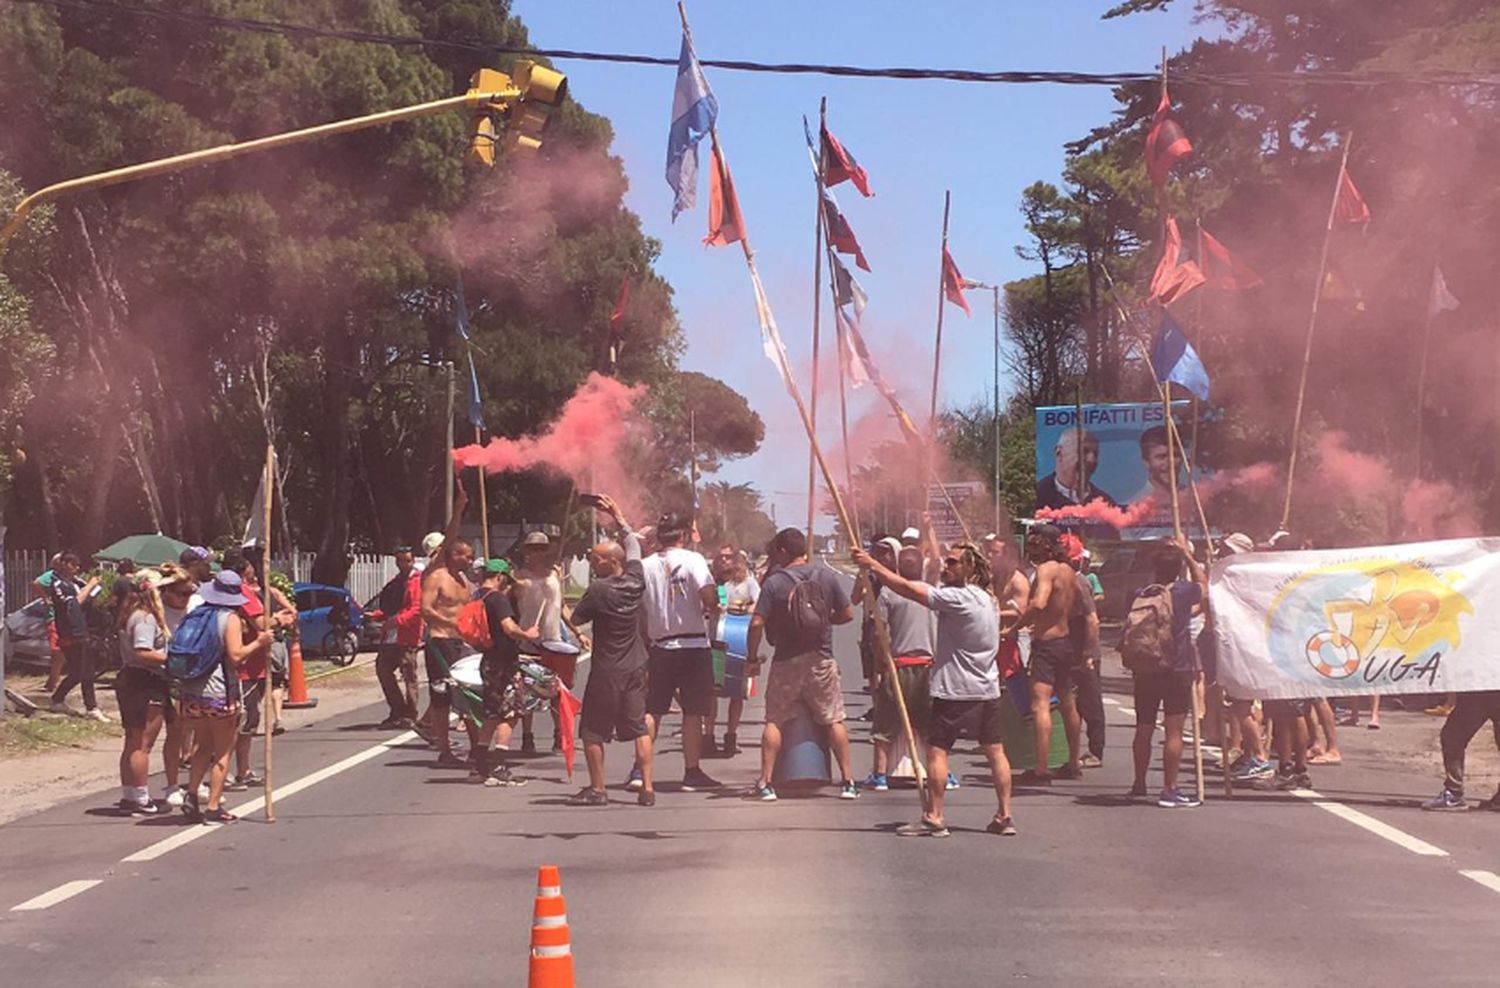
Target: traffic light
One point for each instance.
(528, 100)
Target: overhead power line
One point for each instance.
(1358, 79)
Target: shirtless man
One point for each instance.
(445, 591)
(1055, 661)
(1012, 592)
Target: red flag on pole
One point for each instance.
(1174, 276)
(1166, 144)
(617, 316)
(953, 283)
(568, 706)
(1222, 269)
(841, 166)
(726, 225)
(840, 234)
(1351, 208)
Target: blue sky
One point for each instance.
(984, 142)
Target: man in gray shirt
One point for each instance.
(911, 628)
(965, 678)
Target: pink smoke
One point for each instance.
(1103, 512)
(1420, 509)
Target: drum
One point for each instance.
(733, 634)
(561, 657)
(803, 761)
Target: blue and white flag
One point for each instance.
(476, 404)
(1176, 360)
(694, 111)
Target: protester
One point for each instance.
(614, 702)
(681, 605)
(445, 590)
(141, 687)
(1083, 630)
(798, 607)
(285, 628)
(211, 704)
(739, 591)
(392, 657)
(539, 601)
(1086, 567)
(197, 562)
(884, 548)
(1157, 647)
(42, 587)
(179, 595)
(965, 680)
(1055, 661)
(1469, 713)
(910, 626)
(500, 678)
(1253, 766)
(67, 598)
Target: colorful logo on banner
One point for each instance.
(1382, 619)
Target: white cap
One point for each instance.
(910, 533)
(1238, 542)
(431, 543)
(1087, 554)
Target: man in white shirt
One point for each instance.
(682, 604)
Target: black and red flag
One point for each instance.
(1175, 275)
(622, 301)
(1351, 208)
(953, 283)
(840, 234)
(1166, 144)
(839, 165)
(1222, 269)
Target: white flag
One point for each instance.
(1442, 300)
(255, 528)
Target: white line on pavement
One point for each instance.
(1127, 711)
(1488, 879)
(1111, 701)
(1398, 837)
(62, 893)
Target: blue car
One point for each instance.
(329, 619)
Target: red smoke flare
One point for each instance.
(1103, 512)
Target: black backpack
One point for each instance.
(808, 618)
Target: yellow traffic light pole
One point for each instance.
(473, 100)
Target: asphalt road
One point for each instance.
(384, 870)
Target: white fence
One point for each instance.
(21, 567)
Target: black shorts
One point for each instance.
(614, 706)
(136, 690)
(1172, 692)
(1055, 661)
(439, 656)
(251, 694)
(950, 718)
(688, 671)
(1285, 708)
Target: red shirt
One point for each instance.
(254, 667)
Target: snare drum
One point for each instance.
(465, 672)
(734, 634)
(561, 657)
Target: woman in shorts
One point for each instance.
(211, 704)
(141, 687)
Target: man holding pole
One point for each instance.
(1055, 661)
(965, 679)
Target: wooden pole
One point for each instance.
(484, 501)
(448, 474)
(995, 289)
(1312, 325)
(937, 346)
(1166, 408)
(812, 466)
(1417, 470)
(265, 592)
(882, 631)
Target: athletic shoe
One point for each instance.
(1492, 804)
(190, 807)
(635, 783)
(849, 790)
(1292, 780)
(763, 793)
(877, 781)
(1031, 778)
(952, 782)
(250, 779)
(1068, 772)
(235, 784)
(1090, 760)
(647, 797)
(147, 808)
(503, 776)
(528, 744)
(588, 797)
(1137, 791)
(557, 744)
(94, 713)
(59, 707)
(731, 746)
(1448, 802)
(277, 731)
(475, 777)
(173, 796)
(922, 828)
(1253, 769)
(1171, 799)
(391, 724)
(447, 759)
(1005, 827)
(695, 779)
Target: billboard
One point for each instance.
(1124, 464)
(946, 523)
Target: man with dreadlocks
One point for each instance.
(965, 681)
(1056, 663)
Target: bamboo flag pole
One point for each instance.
(840, 334)
(768, 325)
(937, 346)
(812, 466)
(265, 591)
(1422, 371)
(484, 503)
(1312, 325)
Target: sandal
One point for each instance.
(1325, 758)
(219, 815)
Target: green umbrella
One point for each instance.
(145, 550)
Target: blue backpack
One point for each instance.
(197, 647)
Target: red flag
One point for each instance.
(1174, 277)
(839, 165)
(1166, 144)
(726, 225)
(1351, 208)
(617, 316)
(840, 234)
(953, 283)
(1222, 269)
(568, 706)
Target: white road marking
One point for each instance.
(1488, 879)
(1127, 711)
(62, 893)
(1364, 820)
(1111, 701)
(280, 792)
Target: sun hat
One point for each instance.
(227, 590)
(431, 543)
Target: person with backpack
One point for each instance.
(488, 622)
(1157, 648)
(210, 644)
(798, 607)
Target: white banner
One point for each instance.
(1420, 618)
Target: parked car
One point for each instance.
(26, 642)
(329, 619)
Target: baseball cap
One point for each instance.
(672, 521)
(431, 543)
(892, 544)
(910, 533)
(536, 538)
(194, 554)
(497, 566)
(1238, 542)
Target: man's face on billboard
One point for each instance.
(1067, 459)
(1158, 466)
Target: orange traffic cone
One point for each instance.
(296, 679)
(551, 949)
